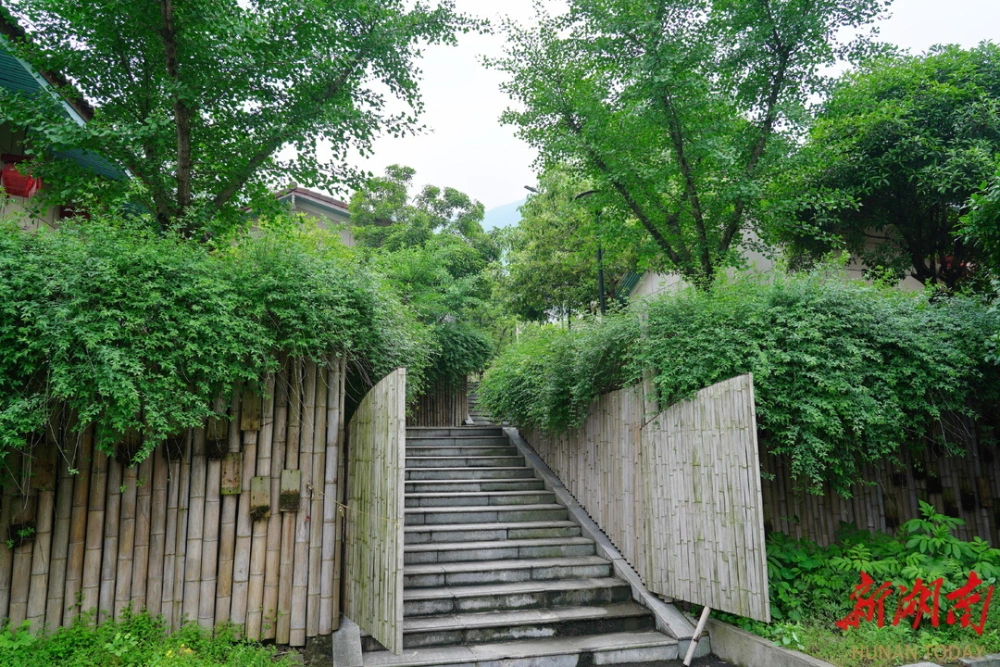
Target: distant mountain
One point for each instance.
(503, 216)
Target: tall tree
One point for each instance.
(209, 103)
(678, 110)
(896, 153)
(551, 264)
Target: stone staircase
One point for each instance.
(479, 414)
(497, 574)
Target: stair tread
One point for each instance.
(514, 588)
(534, 648)
(507, 525)
(510, 564)
(466, 469)
(458, 509)
(475, 494)
(499, 619)
(497, 544)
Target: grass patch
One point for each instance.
(136, 640)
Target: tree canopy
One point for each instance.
(551, 262)
(897, 151)
(208, 104)
(678, 111)
(435, 254)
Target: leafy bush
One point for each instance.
(552, 375)
(810, 587)
(134, 641)
(460, 350)
(844, 372)
(133, 330)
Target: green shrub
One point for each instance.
(134, 641)
(459, 351)
(133, 330)
(844, 373)
(552, 375)
(810, 588)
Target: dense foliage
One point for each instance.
(899, 147)
(435, 255)
(211, 103)
(679, 111)
(810, 587)
(133, 330)
(136, 640)
(844, 372)
(551, 265)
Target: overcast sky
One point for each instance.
(467, 148)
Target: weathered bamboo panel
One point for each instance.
(185, 533)
(704, 517)
(373, 595)
(678, 493)
(443, 404)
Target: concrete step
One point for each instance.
(504, 571)
(454, 552)
(461, 450)
(453, 431)
(474, 486)
(479, 499)
(420, 516)
(498, 626)
(464, 461)
(632, 648)
(517, 595)
(509, 472)
(459, 441)
(489, 532)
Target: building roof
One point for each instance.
(325, 202)
(19, 76)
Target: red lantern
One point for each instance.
(14, 182)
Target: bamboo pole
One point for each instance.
(301, 568)
(41, 565)
(195, 528)
(126, 541)
(226, 535)
(91, 583)
(141, 530)
(6, 555)
(78, 526)
(61, 533)
(329, 528)
(286, 571)
(178, 448)
(316, 517)
(109, 553)
(341, 490)
(258, 547)
(158, 510)
(272, 565)
(244, 527)
(179, 560)
(23, 513)
(208, 583)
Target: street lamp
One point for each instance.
(600, 254)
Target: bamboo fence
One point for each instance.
(373, 589)
(678, 493)
(443, 404)
(185, 533)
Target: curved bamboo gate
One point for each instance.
(677, 492)
(234, 522)
(373, 594)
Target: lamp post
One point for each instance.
(600, 255)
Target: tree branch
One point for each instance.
(182, 114)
